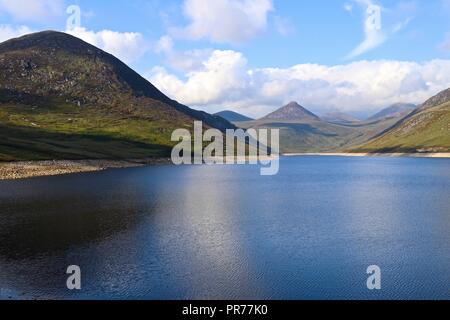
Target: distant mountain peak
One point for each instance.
(72, 56)
(293, 104)
(397, 110)
(292, 112)
(54, 65)
(50, 40)
(233, 116)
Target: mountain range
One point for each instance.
(61, 97)
(426, 129)
(397, 128)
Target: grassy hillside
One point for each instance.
(67, 132)
(426, 130)
(61, 98)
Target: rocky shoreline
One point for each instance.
(28, 169)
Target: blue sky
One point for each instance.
(254, 55)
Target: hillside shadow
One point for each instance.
(25, 143)
(302, 128)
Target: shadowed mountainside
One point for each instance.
(55, 85)
(232, 116)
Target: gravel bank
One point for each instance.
(27, 169)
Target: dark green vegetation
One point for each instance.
(64, 132)
(232, 116)
(61, 98)
(427, 129)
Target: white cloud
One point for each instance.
(164, 45)
(185, 61)
(7, 32)
(401, 25)
(188, 61)
(374, 35)
(348, 7)
(229, 21)
(378, 26)
(127, 46)
(284, 26)
(33, 11)
(225, 81)
(224, 76)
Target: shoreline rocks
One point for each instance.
(28, 169)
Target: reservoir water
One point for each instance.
(225, 232)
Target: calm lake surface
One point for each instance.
(225, 232)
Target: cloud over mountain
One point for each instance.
(226, 80)
(7, 32)
(127, 46)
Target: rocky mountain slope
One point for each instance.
(62, 98)
(427, 129)
(292, 112)
(398, 110)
